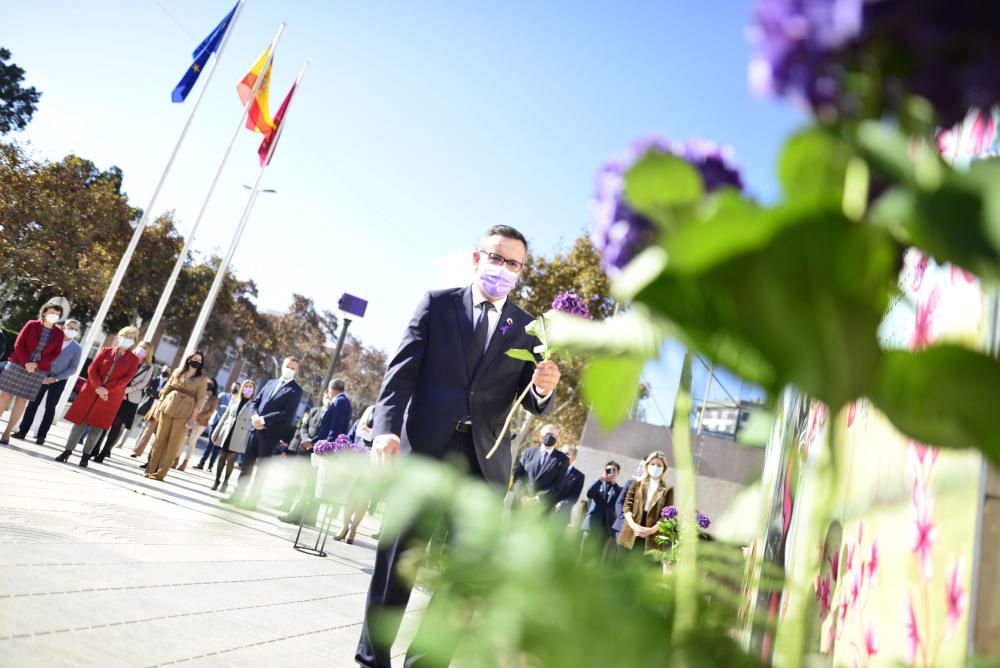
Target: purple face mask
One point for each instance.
(496, 281)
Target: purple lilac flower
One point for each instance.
(619, 232)
(669, 512)
(702, 520)
(570, 302)
(943, 51)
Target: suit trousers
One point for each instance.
(51, 392)
(389, 593)
(170, 433)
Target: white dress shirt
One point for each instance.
(654, 485)
(492, 321)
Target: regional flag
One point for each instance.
(258, 116)
(272, 136)
(208, 46)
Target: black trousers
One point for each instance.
(123, 420)
(388, 593)
(51, 393)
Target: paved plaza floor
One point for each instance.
(102, 567)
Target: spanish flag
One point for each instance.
(272, 136)
(258, 116)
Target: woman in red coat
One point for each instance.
(37, 346)
(98, 402)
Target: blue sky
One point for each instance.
(417, 125)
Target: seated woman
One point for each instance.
(646, 497)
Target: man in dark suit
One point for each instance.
(337, 418)
(601, 513)
(572, 486)
(274, 411)
(453, 382)
(540, 471)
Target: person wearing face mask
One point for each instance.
(201, 419)
(647, 496)
(274, 411)
(98, 402)
(147, 409)
(600, 515)
(212, 449)
(233, 431)
(62, 368)
(540, 471)
(444, 396)
(133, 395)
(36, 347)
(175, 414)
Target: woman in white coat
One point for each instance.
(232, 432)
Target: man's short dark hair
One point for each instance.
(337, 384)
(615, 464)
(508, 232)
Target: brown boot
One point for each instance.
(176, 462)
(183, 465)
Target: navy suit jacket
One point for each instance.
(572, 488)
(336, 419)
(620, 506)
(531, 478)
(429, 387)
(278, 411)
(601, 512)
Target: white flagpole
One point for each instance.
(161, 306)
(213, 293)
(97, 324)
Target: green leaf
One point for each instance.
(611, 385)
(521, 354)
(638, 273)
(812, 166)
(757, 431)
(804, 309)
(944, 396)
(659, 182)
(635, 333)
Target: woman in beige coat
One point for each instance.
(179, 401)
(646, 497)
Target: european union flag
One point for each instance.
(208, 46)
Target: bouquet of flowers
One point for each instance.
(567, 302)
(667, 537)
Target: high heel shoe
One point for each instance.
(340, 537)
(63, 456)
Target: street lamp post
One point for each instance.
(349, 305)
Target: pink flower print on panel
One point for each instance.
(912, 631)
(955, 593)
(924, 531)
(921, 337)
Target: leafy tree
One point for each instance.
(578, 270)
(17, 103)
(65, 224)
(362, 367)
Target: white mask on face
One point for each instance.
(287, 374)
(655, 471)
(52, 318)
(71, 333)
(125, 342)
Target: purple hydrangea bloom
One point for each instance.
(570, 302)
(702, 520)
(943, 51)
(669, 512)
(619, 232)
(339, 444)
